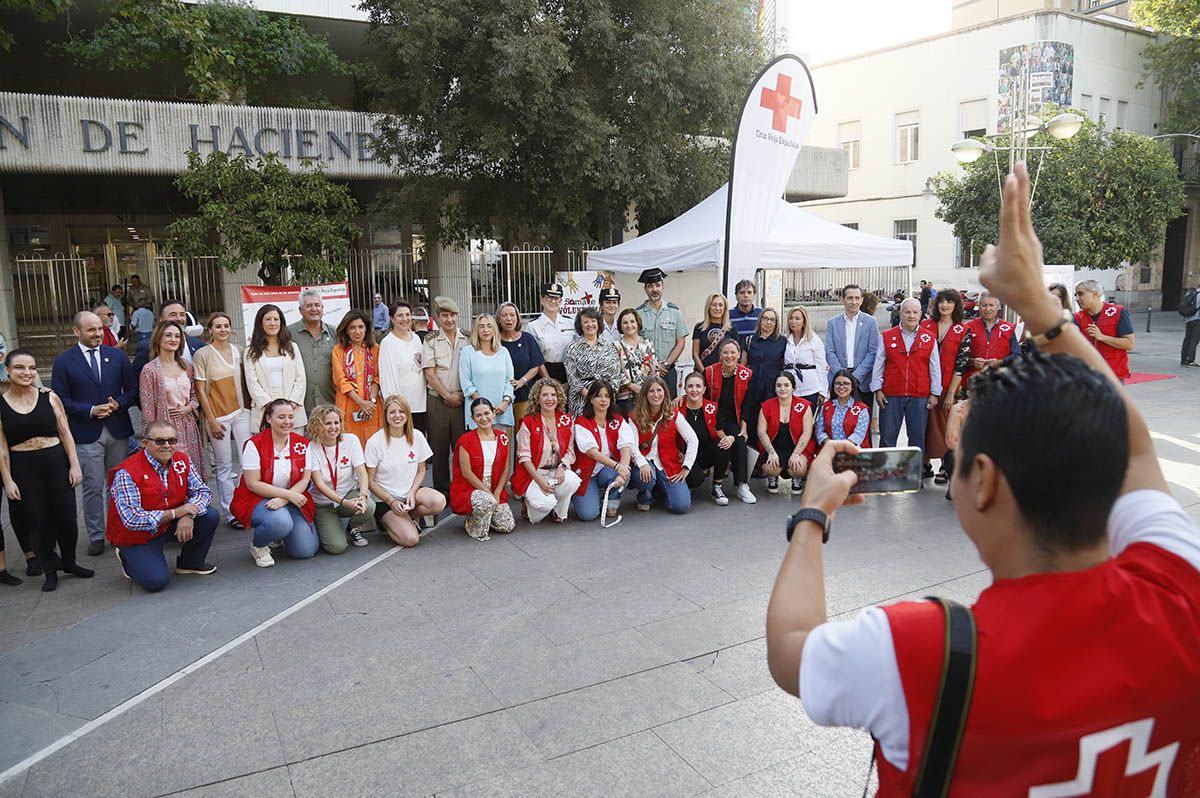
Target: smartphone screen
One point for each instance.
(886, 470)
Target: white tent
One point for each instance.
(696, 240)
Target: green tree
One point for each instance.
(230, 52)
(42, 11)
(1102, 197)
(527, 119)
(1175, 63)
(261, 212)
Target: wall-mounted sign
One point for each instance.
(86, 135)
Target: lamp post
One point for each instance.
(1061, 127)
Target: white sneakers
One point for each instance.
(718, 496)
(262, 556)
(744, 494)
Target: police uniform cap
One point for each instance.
(610, 293)
(654, 275)
(552, 289)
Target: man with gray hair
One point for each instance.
(907, 378)
(992, 338)
(1106, 325)
(315, 339)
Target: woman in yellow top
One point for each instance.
(356, 376)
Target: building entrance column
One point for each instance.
(8, 305)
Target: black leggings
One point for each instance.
(719, 460)
(46, 511)
(22, 535)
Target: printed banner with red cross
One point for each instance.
(775, 119)
(336, 297)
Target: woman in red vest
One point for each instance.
(843, 418)
(543, 477)
(479, 472)
(729, 387)
(954, 349)
(715, 446)
(785, 435)
(272, 496)
(660, 463)
(604, 443)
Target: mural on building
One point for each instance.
(1031, 75)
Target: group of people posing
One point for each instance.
(560, 413)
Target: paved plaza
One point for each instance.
(557, 661)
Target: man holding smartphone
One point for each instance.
(1089, 639)
(907, 378)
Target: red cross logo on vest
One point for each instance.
(780, 102)
(564, 420)
(300, 449)
(1101, 774)
(179, 466)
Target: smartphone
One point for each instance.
(885, 470)
(357, 415)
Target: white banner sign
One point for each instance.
(778, 112)
(287, 297)
(581, 290)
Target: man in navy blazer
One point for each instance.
(171, 310)
(97, 385)
(852, 341)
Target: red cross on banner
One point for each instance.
(780, 102)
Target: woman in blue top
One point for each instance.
(486, 370)
(764, 355)
(525, 353)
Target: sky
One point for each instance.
(823, 30)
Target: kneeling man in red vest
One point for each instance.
(155, 496)
(1077, 671)
(907, 377)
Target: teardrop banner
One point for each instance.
(775, 120)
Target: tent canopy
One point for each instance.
(696, 240)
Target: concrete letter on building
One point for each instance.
(239, 142)
(127, 133)
(258, 140)
(286, 136)
(21, 135)
(344, 145)
(86, 126)
(365, 140)
(305, 139)
(214, 140)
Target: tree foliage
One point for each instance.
(527, 118)
(230, 51)
(259, 211)
(1175, 63)
(1102, 197)
(41, 10)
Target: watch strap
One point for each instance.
(809, 514)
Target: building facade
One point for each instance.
(897, 111)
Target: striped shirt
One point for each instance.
(128, 498)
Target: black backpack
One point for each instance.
(1187, 305)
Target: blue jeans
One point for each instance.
(913, 411)
(679, 498)
(287, 524)
(587, 506)
(146, 564)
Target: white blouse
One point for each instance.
(808, 352)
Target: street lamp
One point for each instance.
(1061, 127)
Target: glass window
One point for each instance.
(908, 133)
(906, 230)
(850, 140)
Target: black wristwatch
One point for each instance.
(809, 514)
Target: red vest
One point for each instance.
(1110, 315)
(947, 348)
(741, 384)
(906, 373)
(770, 411)
(153, 496)
(1078, 674)
(460, 489)
(849, 420)
(584, 465)
(245, 500)
(709, 410)
(668, 442)
(999, 345)
(520, 477)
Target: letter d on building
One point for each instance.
(86, 126)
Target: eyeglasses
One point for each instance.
(163, 441)
(841, 385)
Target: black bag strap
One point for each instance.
(953, 703)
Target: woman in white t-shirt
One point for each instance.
(339, 479)
(400, 363)
(395, 457)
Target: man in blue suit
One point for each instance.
(97, 385)
(852, 341)
(171, 310)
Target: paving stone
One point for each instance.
(275, 783)
(419, 764)
(607, 711)
(582, 616)
(26, 730)
(741, 671)
(697, 633)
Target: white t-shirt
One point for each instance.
(274, 369)
(336, 464)
(848, 672)
(489, 455)
(585, 440)
(281, 474)
(401, 370)
(395, 461)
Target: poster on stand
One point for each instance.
(287, 297)
(581, 290)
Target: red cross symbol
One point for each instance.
(780, 102)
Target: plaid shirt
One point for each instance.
(128, 498)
